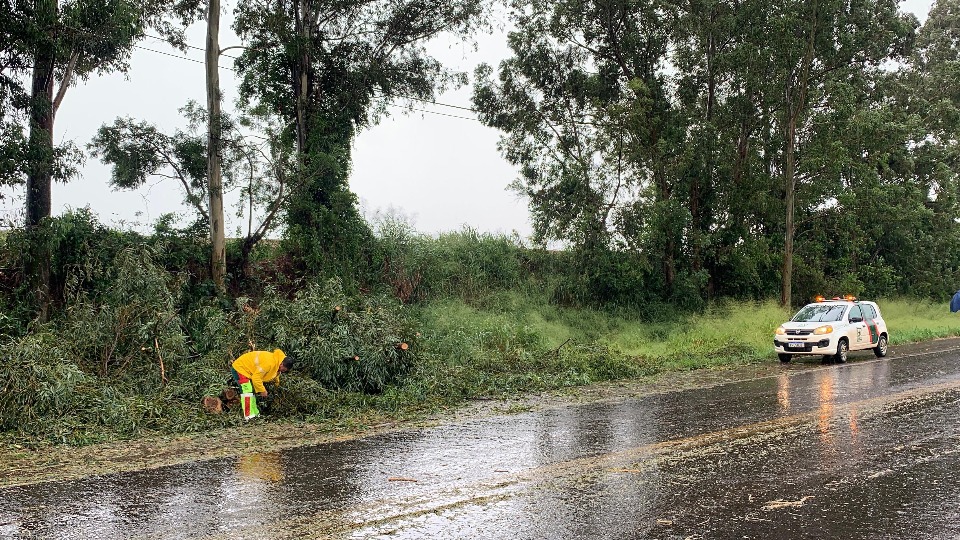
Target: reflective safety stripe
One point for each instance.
(249, 401)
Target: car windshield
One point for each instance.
(820, 313)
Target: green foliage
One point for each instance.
(129, 355)
(342, 343)
(655, 142)
(40, 383)
(322, 84)
(125, 324)
(464, 263)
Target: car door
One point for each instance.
(857, 331)
(873, 321)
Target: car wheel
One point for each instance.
(784, 357)
(842, 349)
(881, 349)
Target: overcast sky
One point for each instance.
(440, 171)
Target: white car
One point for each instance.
(832, 328)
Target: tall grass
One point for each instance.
(911, 320)
(728, 332)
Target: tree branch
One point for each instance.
(65, 82)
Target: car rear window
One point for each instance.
(820, 313)
(869, 311)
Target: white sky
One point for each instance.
(440, 172)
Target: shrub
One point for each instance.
(128, 320)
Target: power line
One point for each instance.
(433, 112)
(440, 104)
(187, 58)
(187, 45)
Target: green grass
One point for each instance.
(749, 323)
(495, 344)
(917, 320)
(727, 332)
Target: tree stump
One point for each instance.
(212, 405)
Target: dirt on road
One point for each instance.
(22, 466)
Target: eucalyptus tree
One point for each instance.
(927, 90)
(719, 80)
(933, 93)
(328, 69)
(14, 98)
(53, 43)
(78, 39)
(218, 247)
(813, 50)
(585, 106)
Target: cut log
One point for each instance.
(212, 405)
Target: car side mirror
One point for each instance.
(856, 319)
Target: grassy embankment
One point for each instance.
(726, 333)
(505, 344)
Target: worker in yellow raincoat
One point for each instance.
(253, 369)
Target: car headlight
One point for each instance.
(781, 331)
(823, 330)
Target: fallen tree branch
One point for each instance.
(163, 371)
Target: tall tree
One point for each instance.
(714, 102)
(252, 157)
(218, 244)
(65, 41)
(20, 37)
(586, 109)
(78, 39)
(809, 46)
(327, 68)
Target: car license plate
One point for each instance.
(795, 344)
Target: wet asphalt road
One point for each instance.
(870, 449)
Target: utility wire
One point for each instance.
(384, 98)
(460, 107)
(187, 45)
(187, 58)
(434, 112)
(177, 56)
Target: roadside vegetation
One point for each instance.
(137, 339)
(706, 167)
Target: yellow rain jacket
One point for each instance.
(260, 367)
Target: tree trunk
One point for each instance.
(40, 172)
(700, 225)
(301, 76)
(790, 188)
(218, 268)
(41, 120)
(796, 105)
